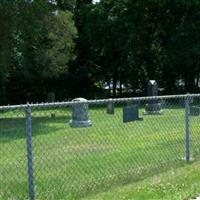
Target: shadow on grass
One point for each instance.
(15, 128)
(129, 177)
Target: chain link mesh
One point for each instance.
(71, 162)
(13, 160)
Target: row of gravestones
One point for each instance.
(130, 112)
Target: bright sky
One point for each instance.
(95, 1)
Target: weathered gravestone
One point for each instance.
(80, 114)
(153, 106)
(131, 113)
(110, 107)
(194, 110)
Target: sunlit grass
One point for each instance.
(73, 163)
(175, 184)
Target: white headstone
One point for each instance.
(80, 114)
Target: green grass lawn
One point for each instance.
(175, 184)
(74, 163)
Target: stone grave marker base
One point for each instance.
(80, 124)
(194, 111)
(153, 109)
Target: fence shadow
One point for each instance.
(14, 128)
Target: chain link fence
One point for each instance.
(72, 149)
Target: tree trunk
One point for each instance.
(110, 90)
(120, 88)
(197, 83)
(114, 87)
(190, 82)
(3, 93)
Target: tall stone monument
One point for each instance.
(153, 106)
(80, 114)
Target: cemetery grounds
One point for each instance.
(110, 160)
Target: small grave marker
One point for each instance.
(194, 110)
(110, 107)
(131, 113)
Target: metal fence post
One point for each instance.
(187, 129)
(29, 154)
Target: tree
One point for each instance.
(134, 41)
(8, 13)
(42, 44)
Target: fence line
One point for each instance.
(29, 154)
(187, 129)
(107, 148)
(100, 101)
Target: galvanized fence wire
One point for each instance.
(69, 150)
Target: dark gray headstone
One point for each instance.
(110, 107)
(152, 88)
(131, 113)
(153, 106)
(80, 114)
(194, 111)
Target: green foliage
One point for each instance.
(47, 40)
(36, 42)
(118, 41)
(134, 41)
(57, 47)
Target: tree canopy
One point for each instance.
(76, 47)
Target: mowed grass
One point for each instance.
(74, 163)
(176, 184)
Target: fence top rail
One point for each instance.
(101, 101)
